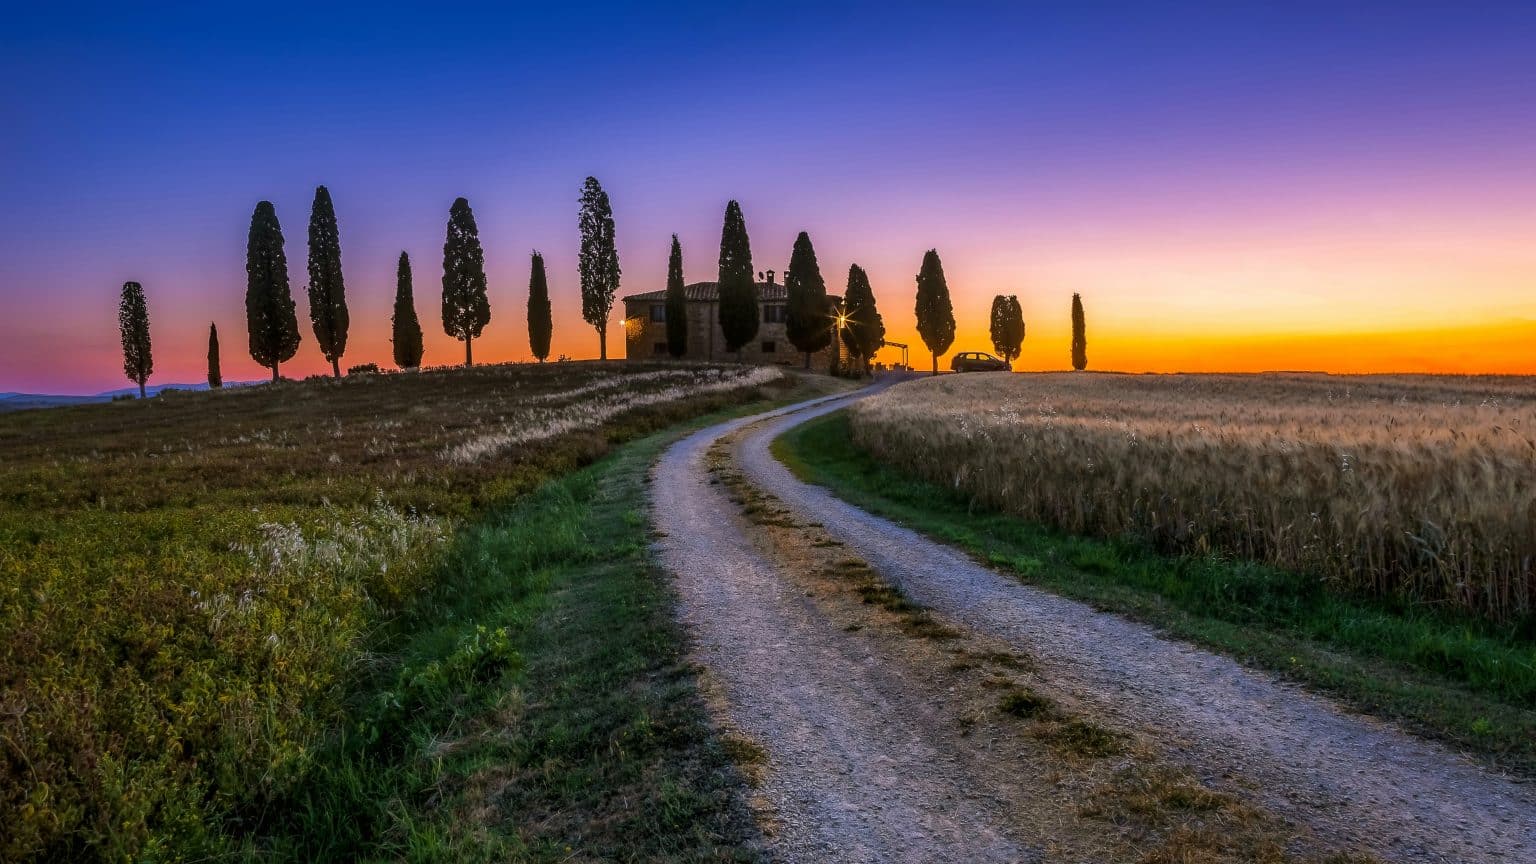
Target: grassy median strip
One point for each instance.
(1450, 676)
(535, 707)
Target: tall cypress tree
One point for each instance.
(133, 322)
(738, 290)
(677, 303)
(466, 309)
(935, 314)
(1079, 335)
(806, 324)
(327, 289)
(269, 315)
(1007, 326)
(406, 327)
(598, 261)
(835, 314)
(541, 323)
(215, 377)
(864, 329)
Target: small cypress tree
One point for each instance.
(677, 303)
(215, 377)
(406, 328)
(133, 322)
(269, 315)
(935, 314)
(738, 290)
(1079, 335)
(1007, 327)
(327, 289)
(806, 323)
(541, 323)
(598, 261)
(466, 309)
(864, 330)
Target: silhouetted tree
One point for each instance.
(269, 315)
(1079, 335)
(541, 323)
(466, 309)
(598, 261)
(863, 331)
(677, 303)
(405, 326)
(215, 377)
(738, 290)
(1007, 327)
(133, 322)
(806, 323)
(935, 315)
(327, 289)
(835, 316)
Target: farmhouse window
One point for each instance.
(658, 312)
(769, 347)
(774, 314)
(659, 348)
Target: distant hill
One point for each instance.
(26, 401)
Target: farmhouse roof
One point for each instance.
(709, 292)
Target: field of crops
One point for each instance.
(1414, 487)
(188, 584)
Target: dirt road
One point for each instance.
(864, 763)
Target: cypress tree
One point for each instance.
(269, 315)
(215, 377)
(806, 324)
(541, 324)
(677, 303)
(1079, 335)
(1007, 327)
(935, 314)
(405, 325)
(466, 309)
(863, 330)
(598, 261)
(133, 322)
(835, 314)
(327, 289)
(738, 289)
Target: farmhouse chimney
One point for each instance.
(770, 277)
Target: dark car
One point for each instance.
(977, 361)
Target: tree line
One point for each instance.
(813, 320)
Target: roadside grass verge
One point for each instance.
(535, 706)
(1447, 675)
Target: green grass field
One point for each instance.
(1452, 676)
(373, 618)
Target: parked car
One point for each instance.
(977, 361)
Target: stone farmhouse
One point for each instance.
(645, 327)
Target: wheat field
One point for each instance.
(1418, 487)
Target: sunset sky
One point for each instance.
(1230, 186)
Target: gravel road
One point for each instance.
(856, 774)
